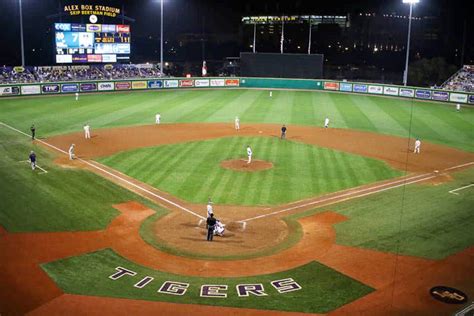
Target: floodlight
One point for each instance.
(411, 1)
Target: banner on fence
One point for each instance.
(50, 88)
(186, 83)
(344, 86)
(155, 84)
(363, 88)
(458, 97)
(375, 89)
(6, 91)
(171, 83)
(139, 85)
(405, 92)
(423, 94)
(440, 95)
(331, 85)
(88, 86)
(390, 90)
(33, 89)
(201, 82)
(69, 87)
(105, 86)
(232, 82)
(123, 85)
(217, 82)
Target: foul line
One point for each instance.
(461, 188)
(111, 174)
(385, 187)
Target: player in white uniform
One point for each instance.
(417, 146)
(326, 122)
(249, 154)
(237, 123)
(157, 118)
(87, 131)
(458, 107)
(271, 93)
(77, 96)
(219, 228)
(209, 209)
(71, 152)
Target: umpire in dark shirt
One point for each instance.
(283, 132)
(211, 223)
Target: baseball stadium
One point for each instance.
(136, 181)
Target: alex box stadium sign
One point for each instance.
(89, 9)
(281, 286)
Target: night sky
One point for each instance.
(222, 19)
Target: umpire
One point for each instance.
(211, 223)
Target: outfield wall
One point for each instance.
(243, 82)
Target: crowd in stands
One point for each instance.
(75, 73)
(463, 80)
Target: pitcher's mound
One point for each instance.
(242, 165)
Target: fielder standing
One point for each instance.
(157, 118)
(249, 154)
(87, 131)
(33, 131)
(33, 160)
(209, 209)
(237, 123)
(71, 152)
(458, 107)
(77, 96)
(417, 146)
(326, 122)
(283, 132)
(271, 94)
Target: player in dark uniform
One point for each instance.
(211, 224)
(33, 160)
(283, 132)
(33, 131)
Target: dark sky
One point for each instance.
(220, 18)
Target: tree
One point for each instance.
(430, 72)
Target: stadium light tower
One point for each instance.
(21, 36)
(405, 73)
(161, 41)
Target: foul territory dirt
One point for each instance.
(401, 282)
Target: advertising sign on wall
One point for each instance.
(217, 82)
(390, 90)
(471, 99)
(376, 89)
(423, 94)
(405, 92)
(186, 83)
(69, 87)
(331, 85)
(6, 91)
(201, 82)
(344, 86)
(171, 83)
(361, 88)
(50, 88)
(155, 84)
(88, 86)
(139, 84)
(36, 89)
(458, 97)
(232, 82)
(105, 86)
(440, 95)
(123, 85)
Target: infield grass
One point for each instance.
(192, 171)
(322, 288)
(61, 200)
(434, 122)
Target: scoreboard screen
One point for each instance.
(92, 43)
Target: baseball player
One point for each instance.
(33, 160)
(71, 152)
(283, 132)
(33, 131)
(326, 122)
(458, 107)
(77, 96)
(87, 131)
(271, 93)
(219, 228)
(417, 146)
(209, 209)
(237, 123)
(249, 154)
(157, 118)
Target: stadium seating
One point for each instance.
(75, 73)
(463, 80)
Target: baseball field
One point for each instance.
(339, 220)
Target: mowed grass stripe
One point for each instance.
(353, 115)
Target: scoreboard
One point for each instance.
(92, 43)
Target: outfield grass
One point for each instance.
(421, 220)
(61, 200)
(323, 289)
(192, 170)
(435, 122)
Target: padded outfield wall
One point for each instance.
(234, 82)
